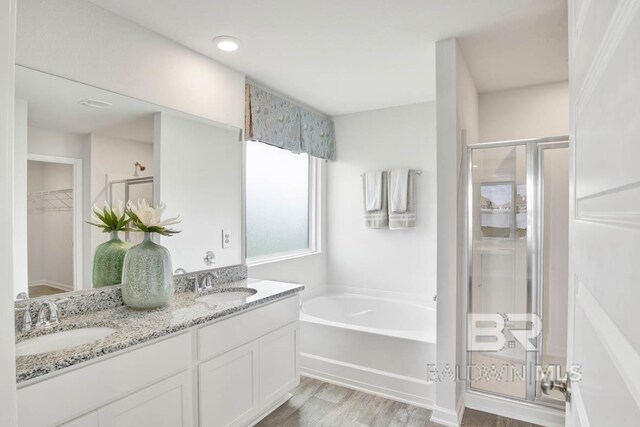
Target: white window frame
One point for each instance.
(315, 209)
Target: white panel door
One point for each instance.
(168, 403)
(604, 338)
(229, 387)
(88, 420)
(279, 372)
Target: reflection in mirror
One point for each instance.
(78, 146)
(82, 147)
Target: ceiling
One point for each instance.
(346, 56)
(54, 104)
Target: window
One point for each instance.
(280, 194)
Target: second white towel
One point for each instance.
(398, 190)
(373, 190)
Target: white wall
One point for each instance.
(34, 225)
(8, 414)
(528, 112)
(53, 143)
(80, 41)
(199, 170)
(400, 260)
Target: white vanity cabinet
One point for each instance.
(237, 384)
(230, 372)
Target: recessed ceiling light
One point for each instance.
(227, 43)
(95, 103)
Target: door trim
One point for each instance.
(78, 203)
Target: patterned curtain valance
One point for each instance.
(278, 122)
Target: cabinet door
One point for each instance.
(279, 369)
(228, 388)
(89, 420)
(168, 403)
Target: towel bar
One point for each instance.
(418, 171)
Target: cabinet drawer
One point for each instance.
(168, 403)
(62, 398)
(227, 334)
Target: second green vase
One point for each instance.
(108, 260)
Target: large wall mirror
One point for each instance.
(78, 145)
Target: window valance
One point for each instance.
(281, 123)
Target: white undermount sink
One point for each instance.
(227, 295)
(61, 340)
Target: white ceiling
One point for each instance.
(53, 103)
(343, 56)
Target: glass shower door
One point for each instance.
(517, 235)
(498, 233)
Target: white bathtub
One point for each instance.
(379, 344)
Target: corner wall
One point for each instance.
(380, 259)
(457, 125)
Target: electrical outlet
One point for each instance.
(226, 239)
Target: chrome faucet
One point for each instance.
(26, 318)
(54, 314)
(206, 284)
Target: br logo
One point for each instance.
(486, 331)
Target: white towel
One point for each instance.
(407, 219)
(373, 190)
(398, 190)
(378, 218)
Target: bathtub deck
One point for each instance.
(316, 403)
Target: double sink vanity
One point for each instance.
(219, 355)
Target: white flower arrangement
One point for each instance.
(149, 220)
(111, 218)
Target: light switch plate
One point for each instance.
(226, 239)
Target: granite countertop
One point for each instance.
(136, 327)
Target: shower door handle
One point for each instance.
(563, 385)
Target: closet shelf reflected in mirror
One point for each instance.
(50, 201)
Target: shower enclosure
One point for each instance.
(517, 253)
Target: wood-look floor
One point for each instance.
(40, 290)
(316, 403)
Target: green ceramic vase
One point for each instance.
(147, 278)
(108, 260)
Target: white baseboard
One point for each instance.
(53, 284)
(403, 389)
(448, 417)
(523, 411)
